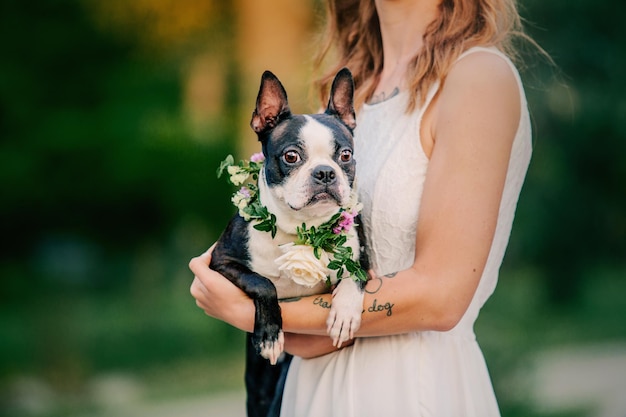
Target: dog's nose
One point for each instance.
(324, 174)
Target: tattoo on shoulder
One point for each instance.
(382, 96)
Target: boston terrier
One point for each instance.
(307, 177)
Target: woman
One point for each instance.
(443, 142)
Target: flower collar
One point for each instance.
(326, 242)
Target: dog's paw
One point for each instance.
(344, 318)
(271, 349)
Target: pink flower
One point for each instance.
(257, 157)
(345, 222)
(245, 192)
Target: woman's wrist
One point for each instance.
(241, 315)
(311, 346)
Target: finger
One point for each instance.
(335, 333)
(330, 321)
(197, 289)
(354, 326)
(340, 336)
(281, 342)
(201, 262)
(208, 253)
(343, 334)
(200, 304)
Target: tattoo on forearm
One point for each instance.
(319, 301)
(376, 307)
(377, 283)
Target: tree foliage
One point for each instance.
(95, 147)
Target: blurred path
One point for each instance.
(563, 379)
(229, 404)
(581, 377)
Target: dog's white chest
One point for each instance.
(264, 251)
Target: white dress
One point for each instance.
(426, 373)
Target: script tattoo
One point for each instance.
(377, 283)
(375, 286)
(319, 301)
(376, 307)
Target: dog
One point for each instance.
(307, 176)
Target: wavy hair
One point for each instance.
(352, 36)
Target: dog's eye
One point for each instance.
(346, 155)
(291, 157)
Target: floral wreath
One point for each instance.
(317, 250)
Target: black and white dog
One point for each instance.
(307, 176)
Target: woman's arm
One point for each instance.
(472, 125)
(310, 346)
(219, 298)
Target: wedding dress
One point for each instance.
(422, 373)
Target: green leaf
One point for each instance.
(264, 226)
(225, 164)
(334, 265)
(361, 275)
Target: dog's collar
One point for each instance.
(329, 237)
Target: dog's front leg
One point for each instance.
(344, 318)
(268, 337)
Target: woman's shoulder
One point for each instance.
(481, 73)
(481, 86)
(484, 63)
(481, 90)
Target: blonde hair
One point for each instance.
(352, 33)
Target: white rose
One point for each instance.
(354, 205)
(240, 201)
(299, 264)
(237, 175)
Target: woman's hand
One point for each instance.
(221, 299)
(218, 297)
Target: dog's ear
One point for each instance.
(341, 102)
(271, 104)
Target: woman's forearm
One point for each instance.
(393, 304)
(310, 346)
(411, 300)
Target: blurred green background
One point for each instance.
(113, 118)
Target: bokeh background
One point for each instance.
(114, 115)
